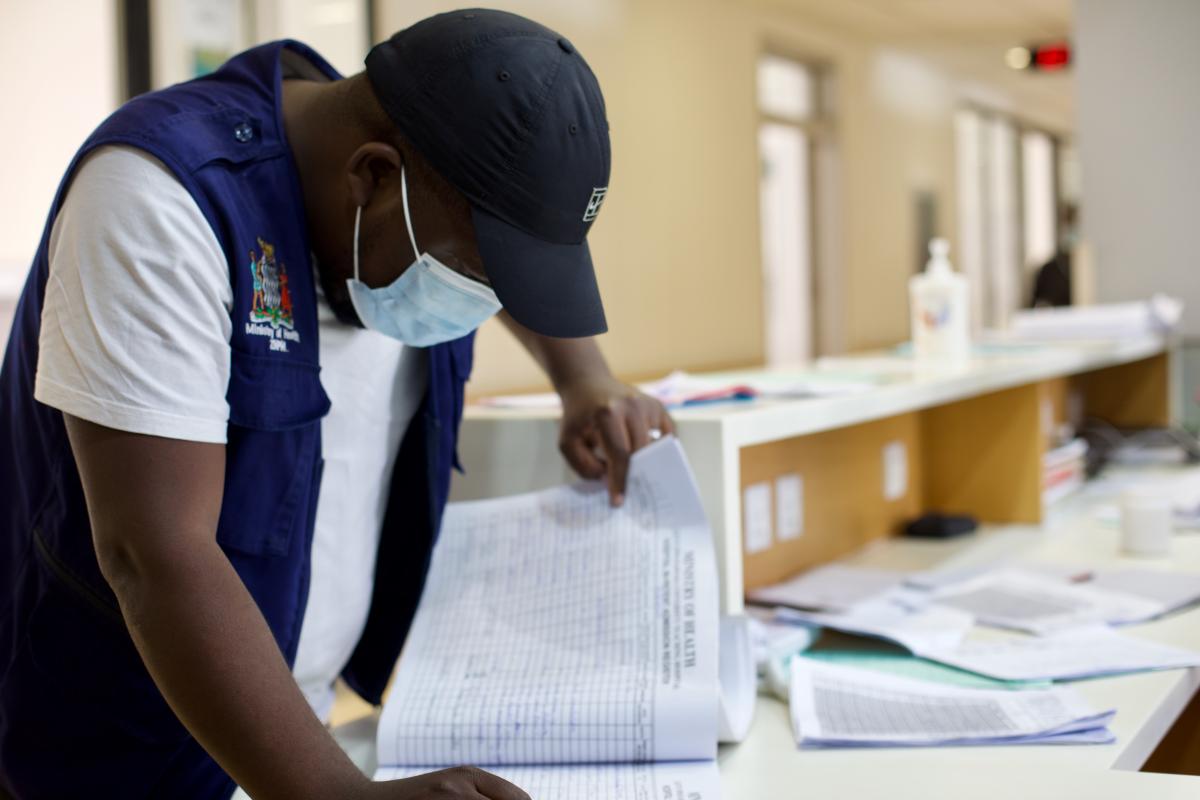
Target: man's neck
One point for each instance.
(300, 102)
(312, 112)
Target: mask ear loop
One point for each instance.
(408, 219)
(357, 220)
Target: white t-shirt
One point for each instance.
(135, 336)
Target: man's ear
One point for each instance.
(369, 166)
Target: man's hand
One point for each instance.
(467, 783)
(604, 422)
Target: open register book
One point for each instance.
(569, 647)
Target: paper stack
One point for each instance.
(1156, 316)
(1164, 592)
(916, 629)
(1033, 603)
(833, 706)
(1070, 618)
(835, 587)
(1081, 653)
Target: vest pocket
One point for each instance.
(272, 453)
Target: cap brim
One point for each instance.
(549, 288)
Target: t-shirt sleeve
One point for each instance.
(136, 318)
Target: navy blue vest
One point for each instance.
(79, 714)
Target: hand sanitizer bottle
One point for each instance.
(938, 302)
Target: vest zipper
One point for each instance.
(74, 584)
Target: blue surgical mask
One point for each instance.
(428, 304)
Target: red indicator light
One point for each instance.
(1050, 57)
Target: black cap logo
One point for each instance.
(593, 206)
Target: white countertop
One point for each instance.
(901, 384)
(769, 765)
(769, 762)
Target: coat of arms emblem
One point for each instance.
(272, 302)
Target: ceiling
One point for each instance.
(966, 37)
(930, 20)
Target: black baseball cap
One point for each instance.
(511, 115)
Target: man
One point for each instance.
(220, 492)
(1052, 282)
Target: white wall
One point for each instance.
(677, 248)
(1139, 146)
(58, 80)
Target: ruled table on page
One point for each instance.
(671, 781)
(844, 706)
(555, 629)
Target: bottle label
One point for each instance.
(936, 314)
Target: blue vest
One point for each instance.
(79, 714)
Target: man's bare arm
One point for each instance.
(154, 505)
(601, 415)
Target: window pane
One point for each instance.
(785, 88)
(1037, 166)
(786, 243)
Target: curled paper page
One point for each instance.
(739, 679)
(555, 629)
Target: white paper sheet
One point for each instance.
(661, 781)
(789, 506)
(1160, 314)
(1036, 604)
(847, 707)
(555, 629)
(946, 577)
(1168, 591)
(1080, 653)
(834, 587)
(915, 629)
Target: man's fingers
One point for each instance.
(493, 787)
(638, 426)
(615, 438)
(665, 423)
(578, 452)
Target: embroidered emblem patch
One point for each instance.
(593, 206)
(271, 306)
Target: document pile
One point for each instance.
(1163, 592)
(917, 628)
(1070, 611)
(834, 587)
(1081, 653)
(1041, 604)
(1032, 603)
(572, 648)
(847, 707)
(1154, 317)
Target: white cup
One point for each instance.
(1146, 522)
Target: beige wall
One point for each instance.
(677, 246)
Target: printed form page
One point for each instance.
(844, 706)
(555, 629)
(1022, 601)
(697, 780)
